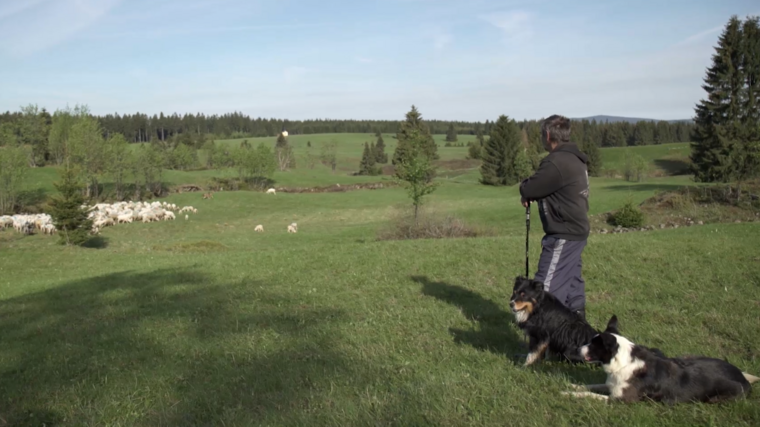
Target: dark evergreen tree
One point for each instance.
(718, 118)
(367, 165)
(500, 154)
(308, 144)
(662, 134)
(66, 210)
(643, 133)
(451, 134)
(594, 157)
(414, 127)
(475, 151)
(613, 136)
(380, 154)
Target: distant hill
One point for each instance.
(616, 119)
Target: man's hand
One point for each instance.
(525, 202)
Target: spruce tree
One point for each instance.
(66, 210)
(380, 155)
(451, 134)
(414, 135)
(591, 150)
(500, 154)
(718, 118)
(476, 147)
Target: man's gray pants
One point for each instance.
(560, 269)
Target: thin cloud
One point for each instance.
(516, 24)
(209, 30)
(56, 21)
(16, 7)
(699, 36)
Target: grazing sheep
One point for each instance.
(124, 219)
(272, 191)
(259, 228)
(292, 229)
(168, 215)
(187, 217)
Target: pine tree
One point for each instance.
(367, 165)
(451, 134)
(500, 154)
(413, 136)
(718, 118)
(66, 210)
(643, 133)
(591, 150)
(663, 134)
(380, 155)
(476, 147)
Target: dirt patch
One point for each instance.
(457, 164)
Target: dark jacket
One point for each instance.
(560, 185)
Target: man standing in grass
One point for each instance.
(560, 186)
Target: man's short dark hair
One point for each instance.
(558, 128)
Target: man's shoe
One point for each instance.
(581, 313)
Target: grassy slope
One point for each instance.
(205, 322)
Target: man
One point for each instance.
(561, 188)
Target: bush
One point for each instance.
(628, 216)
(404, 227)
(635, 167)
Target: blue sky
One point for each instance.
(371, 59)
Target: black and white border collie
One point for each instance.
(547, 322)
(636, 373)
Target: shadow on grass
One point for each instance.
(673, 166)
(645, 187)
(494, 333)
(170, 348)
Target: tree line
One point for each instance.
(31, 126)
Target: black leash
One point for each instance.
(527, 239)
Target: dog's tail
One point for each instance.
(750, 378)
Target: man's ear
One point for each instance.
(612, 325)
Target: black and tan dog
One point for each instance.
(548, 323)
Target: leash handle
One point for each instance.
(527, 240)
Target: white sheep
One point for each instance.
(272, 191)
(124, 218)
(168, 215)
(187, 217)
(292, 229)
(259, 228)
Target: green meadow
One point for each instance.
(204, 322)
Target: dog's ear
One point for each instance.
(536, 285)
(612, 325)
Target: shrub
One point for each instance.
(404, 227)
(628, 216)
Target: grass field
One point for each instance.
(204, 322)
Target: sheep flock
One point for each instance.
(101, 214)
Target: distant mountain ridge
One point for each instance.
(615, 119)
